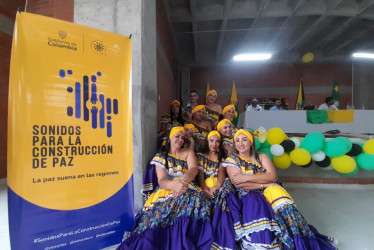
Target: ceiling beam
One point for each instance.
(315, 26)
(298, 5)
(226, 13)
(363, 8)
(167, 11)
(194, 29)
(254, 24)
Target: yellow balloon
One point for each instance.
(369, 146)
(282, 162)
(343, 164)
(275, 136)
(308, 57)
(300, 156)
(211, 181)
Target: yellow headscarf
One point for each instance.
(228, 107)
(210, 92)
(197, 108)
(175, 101)
(245, 132)
(223, 122)
(214, 132)
(175, 130)
(190, 126)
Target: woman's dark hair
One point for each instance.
(179, 118)
(222, 153)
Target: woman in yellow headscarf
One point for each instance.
(213, 109)
(254, 176)
(229, 113)
(202, 126)
(216, 187)
(177, 214)
(225, 127)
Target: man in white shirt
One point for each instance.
(329, 104)
(254, 106)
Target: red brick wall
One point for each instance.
(267, 76)
(61, 9)
(165, 61)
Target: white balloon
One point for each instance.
(296, 141)
(319, 156)
(276, 150)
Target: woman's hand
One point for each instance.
(208, 192)
(180, 187)
(238, 178)
(214, 190)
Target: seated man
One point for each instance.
(277, 106)
(329, 104)
(254, 106)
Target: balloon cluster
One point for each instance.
(338, 153)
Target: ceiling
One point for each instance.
(211, 32)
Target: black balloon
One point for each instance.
(356, 150)
(288, 145)
(307, 165)
(325, 163)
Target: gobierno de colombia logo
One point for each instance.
(60, 42)
(95, 108)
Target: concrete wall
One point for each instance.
(363, 85)
(165, 62)
(136, 18)
(270, 80)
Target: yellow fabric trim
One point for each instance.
(275, 192)
(160, 194)
(340, 115)
(211, 181)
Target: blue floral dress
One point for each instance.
(222, 218)
(212, 115)
(172, 223)
(256, 228)
(295, 231)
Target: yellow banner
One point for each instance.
(70, 122)
(340, 115)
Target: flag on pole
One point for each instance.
(234, 101)
(207, 90)
(300, 100)
(335, 93)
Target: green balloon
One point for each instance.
(346, 141)
(334, 148)
(313, 142)
(257, 144)
(365, 161)
(317, 135)
(266, 151)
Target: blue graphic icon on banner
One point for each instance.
(97, 105)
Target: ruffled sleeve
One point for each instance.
(159, 160)
(231, 161)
